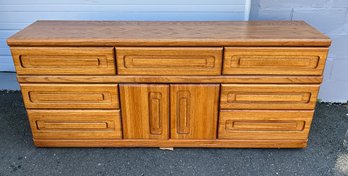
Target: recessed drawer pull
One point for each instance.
(48, 125)
(183, 112)
(263, 125)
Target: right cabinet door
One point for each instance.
(193, 111)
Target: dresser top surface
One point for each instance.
(136, 33)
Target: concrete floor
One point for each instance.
(327, 153)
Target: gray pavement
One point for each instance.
(327, 153)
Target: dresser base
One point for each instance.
(174, 143)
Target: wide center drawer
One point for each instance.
(70, 96)
(169, 60)
(75, 124)
(64, 60)
(274, 60)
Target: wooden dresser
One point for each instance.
(170, 84)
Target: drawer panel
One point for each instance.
(274, 61)
(64, 60)
(267, 96)
(70, 96)
(75, 124)
(264, 124)
(168, 61)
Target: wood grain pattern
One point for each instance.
(274, 60)
(136, 33)
(268, 96)
(193, 111)
(174, 143)
(64, 60)
(145, 111)
(264, 124)
(172, 79)
(170, 74)
(75, 124)
(168, 60)
(70, 96)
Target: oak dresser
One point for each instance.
(169, 84)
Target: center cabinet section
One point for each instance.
(189, 110)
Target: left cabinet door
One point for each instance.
(145, 111)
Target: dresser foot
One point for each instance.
(167, 148)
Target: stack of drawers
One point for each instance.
(167, 96)
(70, 111)
(269, 111)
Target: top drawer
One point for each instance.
(169, 60)
(274, 60)
(64, 60)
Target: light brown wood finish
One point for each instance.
(75, 124)
(173, 143)
(64, 60)
(268, 96)
(274, 60)
(70, 96)
(193, 111)
(145, 111)
(264, 124)
(168, 61)
(170, 74)
(136, 33)
(172, 79)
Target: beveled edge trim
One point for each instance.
(170, 42)
(171, 79)
(173, 143)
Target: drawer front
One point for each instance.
(168, 61)
(251, 96)
(264, 124)
(70, 96)
(64, 60)
(274, 61)
(75, 124)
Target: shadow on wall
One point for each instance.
(8, 81)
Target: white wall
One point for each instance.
(329, 17)
(16, 14)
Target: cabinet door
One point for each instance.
(145, 111)
(194, 111)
